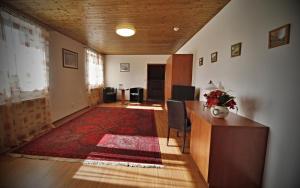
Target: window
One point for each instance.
(23, 78)
(23, 57)
(94, 66)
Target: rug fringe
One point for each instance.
(115, 163)
(88, 162)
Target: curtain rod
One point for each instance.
(21, 15)
(9, 9)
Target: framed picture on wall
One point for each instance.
(214, 57)
(279, 36)
(70, 59)
(124, 67)
(201, 61)
(236, 49)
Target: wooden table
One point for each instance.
(228, 152)
(123, 95)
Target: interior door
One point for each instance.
(155, 82)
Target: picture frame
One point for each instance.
(279, 36)
(124, 67)
(236, 49)
(201, 61)
(214, 57)
(70, 59)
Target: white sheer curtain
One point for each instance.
(94, 75)
(23, 56)
(23, 78)
(94, 65)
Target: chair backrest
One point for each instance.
(108, 89)
(136, 90)
(177, 117)
(133, 90)
(183, 93)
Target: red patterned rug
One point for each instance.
(102, 136)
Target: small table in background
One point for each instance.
(123, 95)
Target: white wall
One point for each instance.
(137, 77)
(265, 81)
(67, 86)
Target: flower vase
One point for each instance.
(219, 111)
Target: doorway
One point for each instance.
(155, 82)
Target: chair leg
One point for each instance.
(168, 136)
(184, 138)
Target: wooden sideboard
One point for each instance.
(229, 152)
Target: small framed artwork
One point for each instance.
(70, 59)
(236, 49)
(124, 67)
(279, 36)
(214, 57)
(201, 61)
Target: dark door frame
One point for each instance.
(147, 89)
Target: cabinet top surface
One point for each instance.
(197, 108)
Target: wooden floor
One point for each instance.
(179, 169)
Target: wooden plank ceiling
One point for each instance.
(93, 22)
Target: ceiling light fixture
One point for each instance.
(176, 28)
(125, 30)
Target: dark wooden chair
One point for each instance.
(177, 119)
(109, 94)
(136, 94)
(183, 93)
